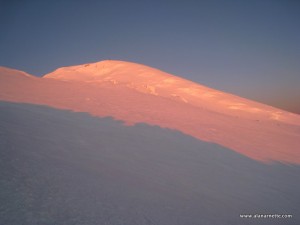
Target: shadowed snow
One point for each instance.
(61, 167)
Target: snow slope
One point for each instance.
(152, 81)
(136, 93)
(61, 167)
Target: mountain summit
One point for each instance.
(153, 81)
(136, 93)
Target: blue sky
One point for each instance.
(248, 48)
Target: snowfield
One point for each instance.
(61, 167)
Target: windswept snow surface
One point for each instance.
(136, 93)
(60, 167)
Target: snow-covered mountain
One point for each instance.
(136, 93)
(152, 81)
(151, 148)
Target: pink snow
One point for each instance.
(136, 93)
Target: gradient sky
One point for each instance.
(248, 48)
